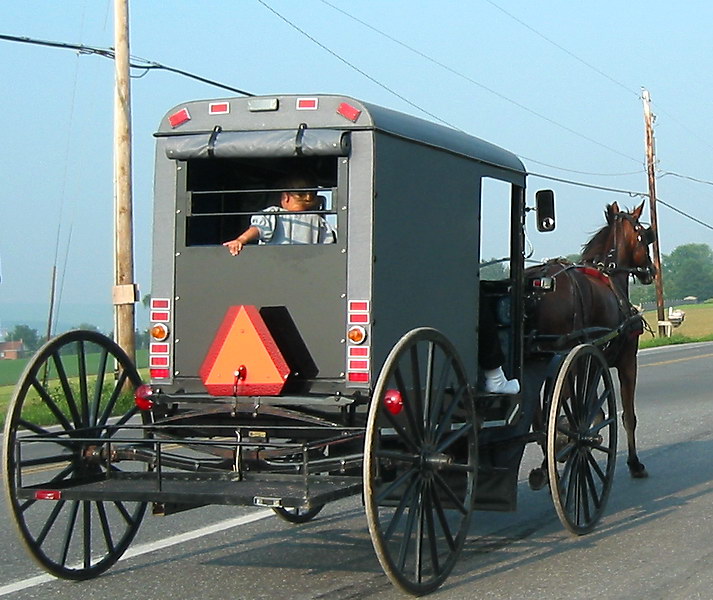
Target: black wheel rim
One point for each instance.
(298, 515)
(581, 439)
(71, 389)
(420, 465)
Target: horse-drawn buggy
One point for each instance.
(290, 375)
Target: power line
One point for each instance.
(466, 78)
(563, 49)
(141, 63)
(135, 62)
(705, 181)
(354, 67)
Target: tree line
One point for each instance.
(687, 271)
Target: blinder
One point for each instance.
(647, 235)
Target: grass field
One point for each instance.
(697, 326)
(11, 371)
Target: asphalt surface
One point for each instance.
(653, 541)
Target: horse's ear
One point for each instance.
(612, 211)
(638, 210)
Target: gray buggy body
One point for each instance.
(403, 194)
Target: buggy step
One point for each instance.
(278, 491)
(497, 410)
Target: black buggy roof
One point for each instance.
(267, 125)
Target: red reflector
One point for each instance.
(159, 304)
(348, 111)
(359, 377)
(48, 495)
(179, 118)
(159, 316)
(219, 108)
(393, 401)
(359, 318)
(358, 351)
(307, 103)
(159, 373)
(358, 365)
(358, 305)
(159, 349)
(158, 361)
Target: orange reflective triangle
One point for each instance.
(243, 359)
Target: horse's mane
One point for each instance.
(596, 246)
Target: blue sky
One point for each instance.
(556, 82)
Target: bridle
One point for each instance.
(644, 237)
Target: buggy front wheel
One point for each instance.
(581, 438)
(420, 461)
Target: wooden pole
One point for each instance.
(124, 292)
(651, 170)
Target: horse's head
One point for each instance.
(623, 245)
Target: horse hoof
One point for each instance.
(637, 470)
(537, 479)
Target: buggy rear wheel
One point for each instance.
(581, 439)
(68, 392)
(420, 461)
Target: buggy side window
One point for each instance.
(495, 230)
(222, 195)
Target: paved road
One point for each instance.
(654, 541)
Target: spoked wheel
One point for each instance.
(298, 515)
(69, 390)
(581, 439)
(420, 461)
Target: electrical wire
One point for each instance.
(354, 67)
(134, 62)
(462, 76)
(563, 49)
(146, 65)
(688, 177)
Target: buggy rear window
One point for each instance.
(222, 195)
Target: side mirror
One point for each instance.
(545, 207)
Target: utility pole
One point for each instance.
(651, 170)
(124, 293)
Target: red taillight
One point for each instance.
(393, 401)
(142, 397)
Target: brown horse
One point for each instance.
(592, 298)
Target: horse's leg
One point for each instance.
(626, 368)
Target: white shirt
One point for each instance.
(291, 227)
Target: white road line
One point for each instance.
(180, 538)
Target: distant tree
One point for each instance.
(87, 327)
(141, 339)
(146, 301)
(688, 271)
(29, 336)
